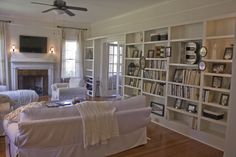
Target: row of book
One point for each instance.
(156, 64)
(187, 76)
(184, 92)
(135, 82)
(156, 75)
(154, 88)
(133, 52)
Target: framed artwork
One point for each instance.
(178, 75)
(150, 54)
(228, 55)
(224, 99)
(158, 109)
(142, 63)
(218, 68)
(135, 54)
(168, 51)
(178, 103)
(192, 108)
(217, 81)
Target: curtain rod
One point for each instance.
(5, 21)
(83, 29)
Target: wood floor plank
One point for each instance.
(163, 143)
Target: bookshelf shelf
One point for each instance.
(153, 69)
(216, 105)
(185, 39)
(158, 96)
(186, 99)
(216, 74)
(135, 77)
(156, 42)
(220, 37)
(157, 59)
(160, 81)
(130, 44)
(132, 58)
(132, 87)
(182, 84)
(89, 60)
(89, 47)
(184, 65)
(217, 89)
(182, 111)
(217, 61)
(219, 122)
(89, 69)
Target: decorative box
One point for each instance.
(213, 114)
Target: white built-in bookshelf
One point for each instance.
(89, 66)
(184, 98)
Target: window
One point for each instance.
(69, 60)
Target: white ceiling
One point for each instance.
(97, 9)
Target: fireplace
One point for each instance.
(36, 80)
(36, 74)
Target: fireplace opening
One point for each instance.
(36, 80)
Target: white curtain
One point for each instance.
(77, 37)
(79, 55)
(3, 55)
(63, 43)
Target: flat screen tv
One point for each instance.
(33, 44)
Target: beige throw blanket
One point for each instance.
(99, 122)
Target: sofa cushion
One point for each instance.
(48, 113)
(131, 103)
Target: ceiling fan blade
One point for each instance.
(42, 3)
(45, 11)
(77, 8)
(69, 12)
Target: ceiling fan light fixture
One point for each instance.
(58, 11)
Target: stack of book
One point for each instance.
(154, 88)
(187, 76)
(135, 83)
(156, 75)
(184, 92)
(156, 64)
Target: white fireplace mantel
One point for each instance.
(39, 64)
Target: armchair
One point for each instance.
(63, 91)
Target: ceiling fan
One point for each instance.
(61, 7)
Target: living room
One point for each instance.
(176, 53)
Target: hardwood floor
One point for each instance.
(163, 143)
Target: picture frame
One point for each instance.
(150, 54)
(224, 99)
(178, 75)
(192, 108)
(135, 54)
(157, 108)
(168, 51)
(178, 103)
(203, 51)
(142, 63)
(217, 81)
(228, 55)
(202, 66)
(218, 68)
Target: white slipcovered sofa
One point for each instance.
(57, 132)
(63, 91)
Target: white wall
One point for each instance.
(171, 12)
(37, 27)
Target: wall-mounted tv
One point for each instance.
(33, 44)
